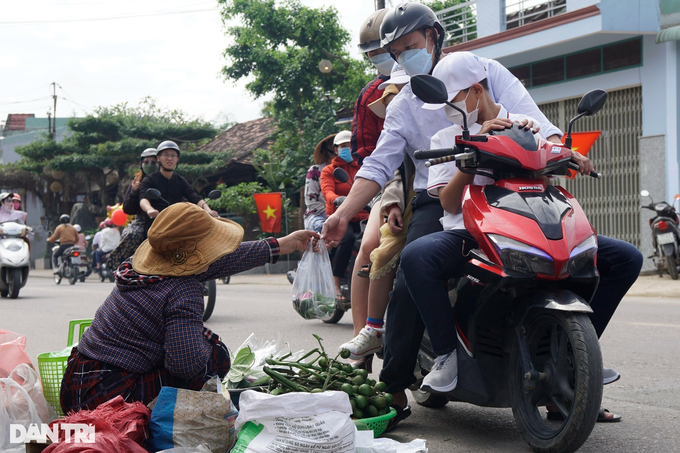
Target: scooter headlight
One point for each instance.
(581, 256)
(521, 257)
(13, 247)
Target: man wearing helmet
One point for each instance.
(173, 187)
(414, 37)
(67, 236)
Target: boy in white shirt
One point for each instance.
(430, 260)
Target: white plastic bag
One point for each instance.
(309, 422)
(29, 380)
(16, 407)
(313, 289)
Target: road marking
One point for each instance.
(653, 324)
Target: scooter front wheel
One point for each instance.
(14, 283)
(334, 316)
(210, 294)
(565, 358)
(57, 277)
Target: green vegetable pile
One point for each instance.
(315, 372)
(313, 305)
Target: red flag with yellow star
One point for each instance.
(269, 209)
(581, 143)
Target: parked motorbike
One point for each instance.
(209, 287)
(665, 236)
(524, 338)
(69, 264)
(14, 258)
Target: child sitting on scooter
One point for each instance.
(431, 260)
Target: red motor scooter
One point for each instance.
(524, 336)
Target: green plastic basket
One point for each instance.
(377, 424)
(52, 371)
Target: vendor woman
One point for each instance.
(149, 331)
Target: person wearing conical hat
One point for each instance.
(149, 331)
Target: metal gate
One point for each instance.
(612, 202)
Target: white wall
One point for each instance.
(489, 17)
(573, 5)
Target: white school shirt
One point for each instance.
(440, 175)
(408, 127)
(110, 239)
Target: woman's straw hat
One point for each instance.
(184, 240)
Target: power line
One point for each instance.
(25, 92)
(26, 102)
(130, 16)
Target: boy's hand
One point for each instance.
(394, 219)
(496, 124)
(527, 125)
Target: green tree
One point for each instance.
(102, 152)
(277, 46)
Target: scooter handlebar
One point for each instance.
(574, 166)
(433, 153)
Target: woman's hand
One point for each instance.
(135, 185)
(298, 240)
(153, 213)
(394, 219)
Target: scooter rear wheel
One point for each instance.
(73, 275)
(334, 316)
(672, 264)
(563, 347)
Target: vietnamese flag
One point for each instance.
(269, 209)
(581, 142)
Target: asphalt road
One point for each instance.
(641, 343)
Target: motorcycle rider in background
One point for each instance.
(109, 241)
(135, 233)
(315, 212)
(334, 193)
(67, 236)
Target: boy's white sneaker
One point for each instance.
(368, 341)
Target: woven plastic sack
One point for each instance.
(313, 289)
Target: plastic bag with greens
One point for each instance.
(313, 290)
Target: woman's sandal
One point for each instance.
(601, 416)
(402, 413)
(365, 271)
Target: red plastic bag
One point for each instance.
(118, 427)
(12, 352)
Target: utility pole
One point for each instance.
(379, 4)
(49, 124)
(54, 97)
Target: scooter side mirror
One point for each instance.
(340, 175)
(153, 194)
(592, 102)
(215, 194)
(644, 192)
(429, 89)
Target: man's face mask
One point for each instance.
(383, 63)
(416, 61)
